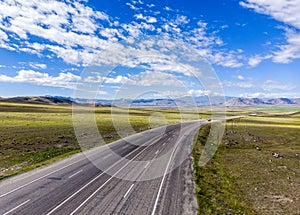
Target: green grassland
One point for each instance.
(34, 135)
(243, 179)
(239, 179)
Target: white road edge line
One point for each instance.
(128, 191)
(24, 185)
(15, 208)
(163, 179)
(71, 176)
(18, 188)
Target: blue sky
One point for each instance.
(252, 45)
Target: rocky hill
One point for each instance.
(38, 100)
(257, 101)
(244, 102)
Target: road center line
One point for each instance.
(106, 156)
(15, 208)
(164, 176)
(128, 190)
(71, 176)
(146, 164)
(31, 182)
(74, 194)
(108, 180)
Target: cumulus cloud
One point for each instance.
(77, 33)
(226, 59)
(290, 50)
(199, 92)
(63, 80)
(285, 11)
(66, 25)
(3, 35)
(146, 78)
(257, 59)
(152, 53)
(148, 19)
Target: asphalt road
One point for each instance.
(146, 173)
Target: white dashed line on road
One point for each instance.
(15, 208)
(71, 176)
(128, 190)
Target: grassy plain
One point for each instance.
(244, 177)
(34, 135)
(239, 179)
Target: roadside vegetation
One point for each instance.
(33, 135)
(256, 170)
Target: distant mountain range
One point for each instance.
(179, 102)
(257, 102)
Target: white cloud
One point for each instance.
(286, 11)
(110, 33)
(69, 25)
(37, 65)
(271, 85)
(63, 80)
(172, 66)
(46, 18)
(289, 51)
(150, 78)
(155, 54)
(167, 8)
(135, 29)
(181, 20)
(146, 78)
(257, 59)
(240, 77)
(117, 80)
(77, 33)
(151, 5)
(226, 59)
(199, 92)
(148, 19)
(243, 84)
(3, 35)
(131, 6)
(170, 94)
(270, 95)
